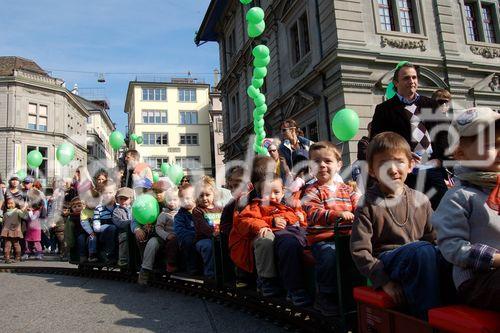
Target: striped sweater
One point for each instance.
(324, 203)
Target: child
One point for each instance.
(34, 225)
(206, 217)
(467, 220)
(91, 200)
(165, 228)
(102, 223)
(325, 201)
(184, 227)
(252, 233)
(392, 238)
(73, 228)
(11, 231)
(57, 226)
(122, 219)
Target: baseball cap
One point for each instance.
(28, 180)
(471, 121)
(126, 192)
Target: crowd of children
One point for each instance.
(398, 242)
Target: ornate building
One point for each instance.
(327, 55)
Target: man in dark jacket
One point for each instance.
(402, 114)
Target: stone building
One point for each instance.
(38, 112)
(327, 55)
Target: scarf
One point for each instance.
(488, 180)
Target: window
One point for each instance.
(187, 95)
(397, 15)
(189, 139)
(155, 162)
(154, 116)
(482, 21)
(89, 120)
(471, 22)
(218, 124)
(489, 28)
(41, 171)
(189, 162)
(154, 94)
(37, 117)
(188, 118)
(155, 138)
(230, 46)
(299, 38)
(234, 111)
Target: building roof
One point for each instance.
(93, 107)
(9, 64)
(206, 32)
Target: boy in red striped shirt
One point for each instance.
(325, 201)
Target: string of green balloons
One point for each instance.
(255, 27)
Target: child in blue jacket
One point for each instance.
(184, 227)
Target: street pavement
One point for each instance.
(52, 303)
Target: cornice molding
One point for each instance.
(486, 51)
(402, 43)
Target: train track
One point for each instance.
(277, 311)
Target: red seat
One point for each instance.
(373, 297)
(464, 319)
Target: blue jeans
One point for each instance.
(107, 240)
(189, 254)
(85, 248)
(415, 267)
(326, 272)
(204, 247)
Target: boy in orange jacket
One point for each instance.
(254, 229)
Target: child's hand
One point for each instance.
(140, 235)
(279, 222)
(394, 290)
(496, 260)
(347, 216)
(301, 215)
(92, 235)
(263, 232)
(170, 236)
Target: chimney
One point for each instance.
(216, 77)
(74, 91)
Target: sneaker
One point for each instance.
(83, 259)
(171, 268)
(143, 277)
(122, 263)
(24, 257)
(39, 257)
(299, 297)
(268, 287)
(9, 261)
(324, 303)
(93, 258)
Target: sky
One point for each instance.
(76, 40)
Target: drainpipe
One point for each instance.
(6, 137)
(323, 78)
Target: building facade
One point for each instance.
(217, 136)
(37, 112)
(173, 120)
(328, 55)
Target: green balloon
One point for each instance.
(259, 100)
(260, 51)
(345, 124)
(145, 209)
(35, 158)
(262, 133)
(139, 140)
(255, 30)
(252, 91)
(133, 137)
(255, 15)
(390, 91)
(246, 2)
(164, 168)
(261, 62)
(175, 173)
(259, 72)
(261, 109)
(259, 123)
(262, 151)
(401, 64)
(257, 83)
(156, 176)
(257, 114)
(21, 174)
(65, 153)
(116, 140)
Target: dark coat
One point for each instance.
(391, 116)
